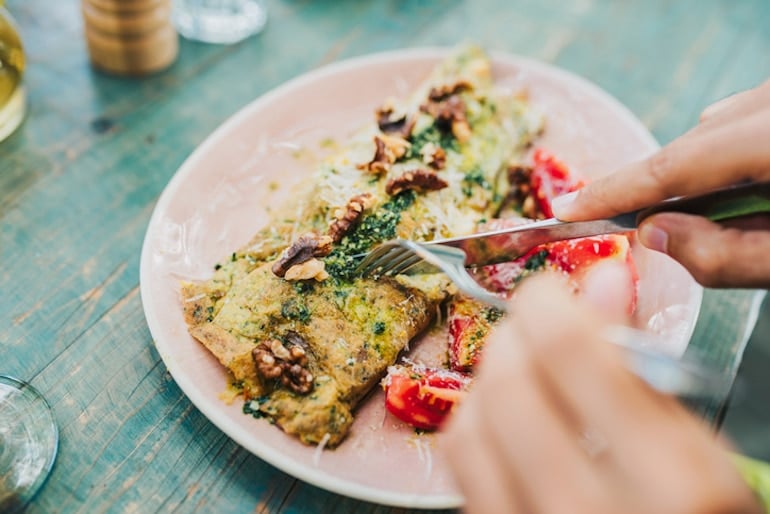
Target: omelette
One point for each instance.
(302, 337)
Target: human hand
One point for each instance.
(727, 147)
(555, 424)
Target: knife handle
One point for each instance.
(720, 205)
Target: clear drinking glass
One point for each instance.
(12, 94)
(29, 441)
(219, 21)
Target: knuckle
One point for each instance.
(707, 267)
(704, 274)
(660, 166)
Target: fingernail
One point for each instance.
(654, 238)
(561, 204)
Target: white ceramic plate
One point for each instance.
(222, 194)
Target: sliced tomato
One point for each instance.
(470, 322)
(550, 178)
(577, 257)
(423, 397)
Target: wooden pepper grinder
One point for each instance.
(130, 37)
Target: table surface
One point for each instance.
(80, 178)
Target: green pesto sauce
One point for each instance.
(378, 328)
(251, 407)
(303, 286)
(432, 134)
(374, 228)
(533, 264)
(537, 261)
(492, 314)
(295, 310)
(475, 178)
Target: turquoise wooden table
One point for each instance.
(79, 180)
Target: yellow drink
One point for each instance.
(12, 96)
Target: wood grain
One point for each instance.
(79, 180)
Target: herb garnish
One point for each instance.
(431, 134)
(294, 309)
(475, 177)
(537, 261)
(373, 228)
(378, 328)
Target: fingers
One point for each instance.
(475, 468)
(587, 375)
(609, 286)
(531, 433)
(697, 162)
(737, 105)
(514, 444)
(715, 255)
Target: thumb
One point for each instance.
(715, 255)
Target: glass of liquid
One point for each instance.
(29, 440)
(219, 21)
(12, 95)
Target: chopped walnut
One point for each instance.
(387, 150)
(449, 115)
(379, 163)
(461, 130)
(312, 269)
(420, 180)
(433, 155)
(438, 94)
(520, 193)
(390, 122)
(519, 178)
(396, 146)
(287, 365)
(302, 250)
(529, 208)
(345, 218)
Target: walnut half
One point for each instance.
(387, 150)
(312, 269)
(433, 155)
(437, 94)
(346, 217)
(302, 250)
(520, 192)
(450, 115)
(389, 122)
(287, 365)
(420, 180)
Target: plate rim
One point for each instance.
(265, 452)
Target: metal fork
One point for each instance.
(688, 378)
(397, 256)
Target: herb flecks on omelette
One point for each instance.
(303, 338)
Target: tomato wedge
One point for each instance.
(550, 178)
(421, 396)
(470, 322)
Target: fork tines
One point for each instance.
(390, 258)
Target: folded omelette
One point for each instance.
(304, 338)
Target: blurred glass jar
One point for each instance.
(219, 21)
(12, 95)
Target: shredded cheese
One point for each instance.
(320, 448)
